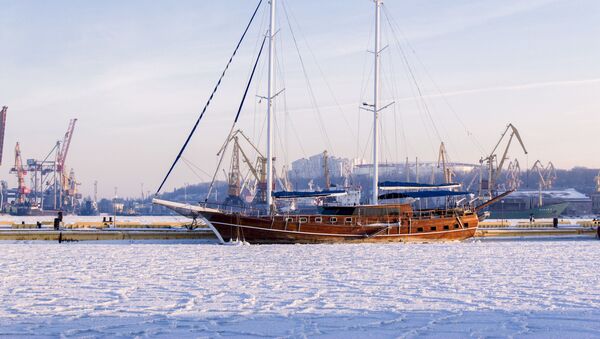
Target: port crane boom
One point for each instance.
(491, 160)
(64, 151)
(2, 130)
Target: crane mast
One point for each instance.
(22, 189)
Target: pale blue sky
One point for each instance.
(136, 74)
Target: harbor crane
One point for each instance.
(513, 175)
(494, 165)
(235, 177)
(258, 170)
(443, 161)
(53, 186)
(546, 174)
(2, 130)
(598, 183)
(20, 171)
(67, 180)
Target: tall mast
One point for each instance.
(376, 52)
(270, 107)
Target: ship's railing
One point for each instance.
(258, 212)
(437, 213)
(235, 209)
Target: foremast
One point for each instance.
(270, 97)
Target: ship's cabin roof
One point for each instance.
(367, 210)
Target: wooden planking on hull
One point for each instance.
(254, 230)
(256, 235)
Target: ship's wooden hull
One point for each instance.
(258, 235)
(277, 230)
(397, 225)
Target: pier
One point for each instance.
(88, 230)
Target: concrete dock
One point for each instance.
(98, 228)
(106, 234)
(539, 232)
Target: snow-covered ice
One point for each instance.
(480, 288)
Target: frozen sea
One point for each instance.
(481, 288)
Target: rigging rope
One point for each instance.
(318, 66)
(209, 99)
(393, 24)
(421, 103)
(237, 116)
(311, 93)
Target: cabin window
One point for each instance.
(455, 225)
(289, 219)
(466, 225)
(333, 220)
(318, 219)
(419, 229)
(433, 228)
(348, 220)
(446, 227)
(303, 220)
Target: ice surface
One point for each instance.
(480, 288)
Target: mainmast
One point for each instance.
(270, 97)
(377, 53)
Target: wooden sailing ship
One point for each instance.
(365, 223)
(374, 222)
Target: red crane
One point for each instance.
(62, 155)
(2, 129)
(22, 190)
